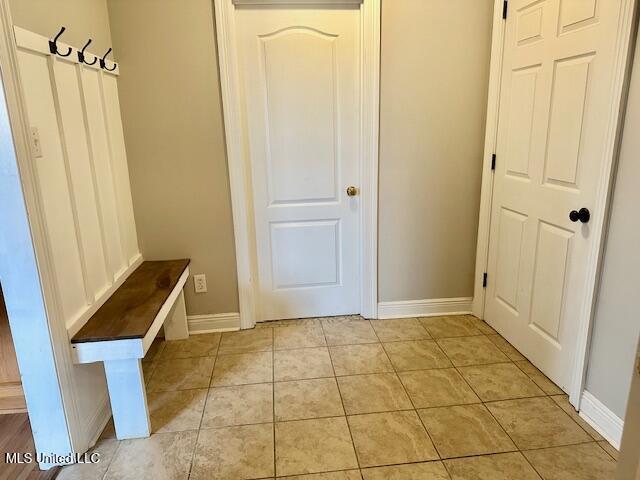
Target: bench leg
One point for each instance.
(128, 398)
(175, 326)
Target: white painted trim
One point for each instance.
(240, 169)
(425, 308)
(491, 136)
(603, 420)
(219, 322)
(30, 287)
(622, 63)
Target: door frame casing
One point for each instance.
(624, 44)
(240, 163)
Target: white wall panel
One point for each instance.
(83, 175)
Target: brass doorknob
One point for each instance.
(352, 191)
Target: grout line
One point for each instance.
(346, 419)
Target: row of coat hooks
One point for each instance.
(82, 58)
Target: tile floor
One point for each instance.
(441, 398)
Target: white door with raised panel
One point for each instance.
(300, 70)
(555, 104)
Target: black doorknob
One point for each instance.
(584, 215)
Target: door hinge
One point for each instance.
(484, 280)
(505, 9)
(493, 161)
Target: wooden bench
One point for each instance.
(120, 333)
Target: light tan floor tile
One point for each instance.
(465, 430)
(563, 402)
(162, 456)
(503, 466)
(155, 350)
(106, 449)
(414, 471)
(537, 423)
(205, 345)
(577, 462)
(359, 359)
(437, 388)
(481, 325)
(239, 405)
(343, 475)
(176, 411)
(390, 438)
(416, 355)
(147, 370)
(303, 399)
(395, 330)
(607, 447)
(500, 381)
(181, 374)
(298, 337)
(380, 392)
(506, 348)
(539, 378)
(236, 453)
(347, 331)
(243, 369)
(314, 446)
(302, 364)
(449, 326)
(463, 351)
(246, 341)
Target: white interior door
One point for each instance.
(300, 70)
(555, 105)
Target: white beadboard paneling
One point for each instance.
(103, 169)
(83, 178)
(128, 233)
(74, 132)
(53, 186)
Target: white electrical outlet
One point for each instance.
(200, 283)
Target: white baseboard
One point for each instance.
(425, 308)
(219, 322)
(603, 420)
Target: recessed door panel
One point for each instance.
(568, 96)
(296, 246)
(512, 229)
(301, 113)
(520, 118)
(552, 256)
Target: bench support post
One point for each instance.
(175, 326)
(128, 398)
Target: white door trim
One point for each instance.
(240, 170)
(601, 209)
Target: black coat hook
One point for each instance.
(82, 57)
(53, 45)
(103, 63)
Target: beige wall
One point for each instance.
(171, 108)
(617, 325)
(84, 19)
(435, 68)
(434, 87)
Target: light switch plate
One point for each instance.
(36, 146)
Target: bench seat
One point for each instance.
(121, 332)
